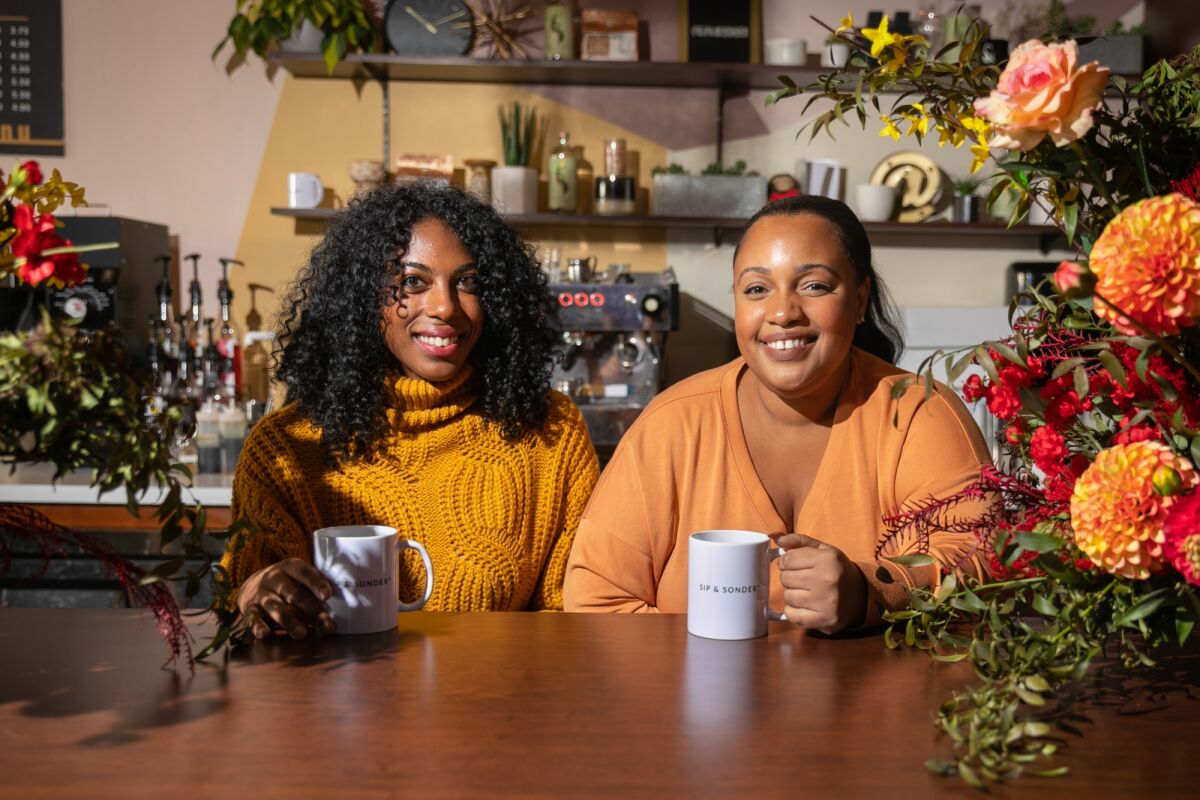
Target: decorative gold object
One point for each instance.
(918, 182)
(500, 29)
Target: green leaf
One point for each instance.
(1183, 629)
(1065, 366)
(1070, 220)
(1009, 353)
(1081, 381)
(913, 560)
(1056, 772)
(968, 775)
(1037, 683)
(1044, 606)
(1143, 609)
(1113, 366)
(1038, 542)
(985, 361)
(1031, 698)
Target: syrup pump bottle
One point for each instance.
(210, 368)
(228, 343)
(194, 335)
(166, 337)
(255, 371)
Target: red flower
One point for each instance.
(1189, 185)
(33, 173)
(1182, 530)
(1062, 403)
(1048, 448)
(1003, 401)
(35, 235)
(973, 389)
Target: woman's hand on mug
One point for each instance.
(290, 594)
(822, 589)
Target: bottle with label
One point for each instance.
(158, 380)
(560, 30)
(562, 176)
(212, 389)
(229, 372)
(167, 337)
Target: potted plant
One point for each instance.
(966, 202)
(836, 52)
(515, 185)
(720, 192)
(333, 27)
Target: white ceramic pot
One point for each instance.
(515, 190)
(1040, 213)
(306, 40)
(874, 202)
(785, 52)
(835, 55)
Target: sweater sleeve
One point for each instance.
(576, 475)
(260, 495)
(612, 567)
(942, 453)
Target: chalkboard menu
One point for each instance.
(31, 77)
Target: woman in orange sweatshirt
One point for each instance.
(801, 436)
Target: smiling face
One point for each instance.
(797, 302)
(437, 318)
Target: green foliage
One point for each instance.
(1027, 639)
(966, 184)
(738, 170)
(1060, 25)
(519, 132)
(74, 400)
(260, 25)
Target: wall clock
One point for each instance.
(429, 27)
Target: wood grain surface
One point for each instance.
(530, 706)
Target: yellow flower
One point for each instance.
(880, 37)
(947, 133)
(890, 129)
(1147, 264)
(847, 24)
(1116, 514)
(981, 153)
(917, 122)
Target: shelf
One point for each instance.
(671, 74)
(883, 234)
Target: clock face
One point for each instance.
(429, 27)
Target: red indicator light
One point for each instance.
(565, 300)
(597, 299)
(581, 299)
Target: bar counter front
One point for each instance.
(527, 705)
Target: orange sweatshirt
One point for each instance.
(497, 517)
(684, 467)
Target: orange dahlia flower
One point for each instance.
(1118, 514)
(1147, 264)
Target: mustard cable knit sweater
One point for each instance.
(497, 517)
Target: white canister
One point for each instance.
(515, 190)
(786, 52)
(874, 202)
(835, 55)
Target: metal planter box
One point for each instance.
(708, 195)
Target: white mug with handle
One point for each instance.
(362, 562)
(728, 584)
(304, 190)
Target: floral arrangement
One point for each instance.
(74, 400)
(1094, 527)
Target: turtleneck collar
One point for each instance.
(418, 404)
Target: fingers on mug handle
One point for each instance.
(418, 604)
(311, 577)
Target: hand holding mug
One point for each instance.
(822, 588)
(289, 595)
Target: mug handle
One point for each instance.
(770, 613)
(417, 605)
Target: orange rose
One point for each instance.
(1043, 92)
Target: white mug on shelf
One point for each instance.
(728, 584)
(362, 564)
(874, 202)
(785, 52)
(304, 190)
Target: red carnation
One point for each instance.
(1048, 448)
(973, 389)
(1003, 401)
(33, 173)
(1189, 185)
(1182, 530)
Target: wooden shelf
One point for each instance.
(899, 234)
(670, 74)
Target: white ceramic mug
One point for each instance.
(362, 563)
(304, 190)
(728, 584)
(874, 202)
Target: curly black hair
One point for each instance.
(331, 352)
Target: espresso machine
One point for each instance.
(614, 332)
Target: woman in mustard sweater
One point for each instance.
(801, 435)
(416, 350)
